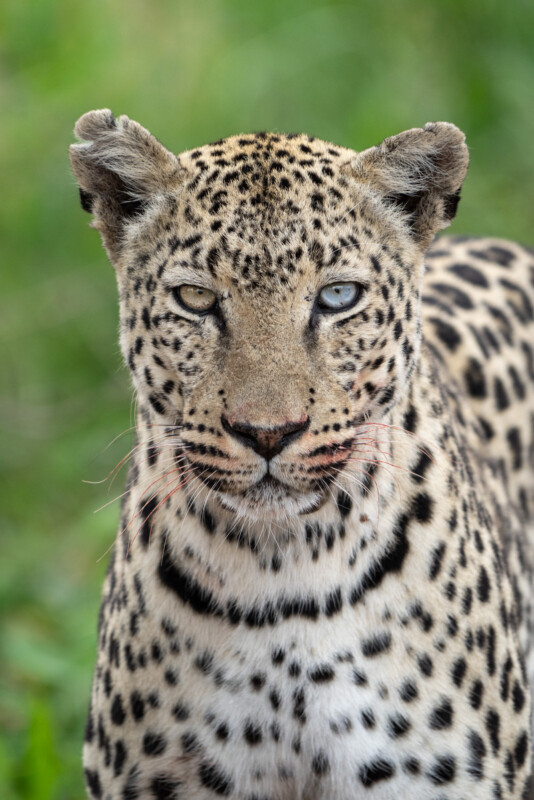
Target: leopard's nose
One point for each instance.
(266, 441)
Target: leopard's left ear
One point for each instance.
(419, 171)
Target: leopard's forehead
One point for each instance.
(258, 204)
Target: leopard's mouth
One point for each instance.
(271, 498)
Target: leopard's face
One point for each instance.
(269, 290)
(269, 321)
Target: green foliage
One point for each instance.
(352, 72)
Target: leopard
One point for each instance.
(320, 587)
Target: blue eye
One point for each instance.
(339, 296)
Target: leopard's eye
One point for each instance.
(195, 298)
(338, 296)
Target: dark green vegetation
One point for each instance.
(190, 72)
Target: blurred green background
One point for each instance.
(191, 72)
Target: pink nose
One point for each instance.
(267, 442)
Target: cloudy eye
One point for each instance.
(338, 296)
(195, 298)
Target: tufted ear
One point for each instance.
(119, 166)
(419, 171)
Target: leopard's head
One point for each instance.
(269, 292)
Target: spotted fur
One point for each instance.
(321, 583)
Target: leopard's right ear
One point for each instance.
(119, 167)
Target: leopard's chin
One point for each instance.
(270, 499)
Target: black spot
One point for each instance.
(181, 712)
(446, 333)
(436, 560)
(275, 699)
(137, 705)
(117, 711)
(359, 678)
(519, 386)
(207, 520)
(458, 671)
(408, 691)
(377, 644)
(494, 254)
(89, 733)
(344, 504)
(156, 404)
(376, 264)
(368, 718)
(421, 507)
(412, 766)
(410, 420)
(475, 379)
(398, 725)
(424, 662)
(483, 585)
(92, 779)
(513, 436)
(147, 510)
(145, 316)
(475, 694)
(501, 395)
(420, 468)
(252, 733)
(477, 752)
(333, 603)
(119, 758)
(453, 294)
(257, 681)
(299, 705)
(442, 770)
(467, 601)
(320, 764)
(222, 732)
(452, 625)
(164, 788)
(213, 777)
(470, 274)
(154, 744)
(189, 742)
(376, 771)
(518, 697)
(204, 662)
(521, 748)
(441, 716)
(171, 677)
(493, 724)
(321, 674)
(276, 563)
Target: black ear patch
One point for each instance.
(131, 207)
(407, 203)
(86, 201)
(450, 204)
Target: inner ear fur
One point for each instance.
(119, 166)
(420, 172)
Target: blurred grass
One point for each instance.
(191, 72)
